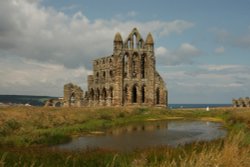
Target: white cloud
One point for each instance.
(221, 67)
(35, 32)
(161, 51)
(206, 83)
(219, 50)
(29, 77)
(184, 54)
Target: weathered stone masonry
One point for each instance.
(241, 102)
(126, 78)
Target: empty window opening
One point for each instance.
(140, 44)
(111, 73)
(157, 96)
(126, 93)
(103, 74)
(97, 94)
(104, 94)
(143, 66)
(143, 94)
(125, 66)
(129, 44)
(134, 41)
(134, 94)
(134, 67)
(92, 94)
(58, 104)
(72, 98)
(111, 92)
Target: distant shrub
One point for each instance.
(106, 116)
(52, 138)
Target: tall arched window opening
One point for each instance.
(126, 93)
(143, 66)
(72, 98)
(134, 41)
(125, 66)
(140, 44)
(104, 94)
(111, 92)
(92, 94)
(134, 94)
(97, 94)
(129, 44)
(157, 96)
(143, 94)
(134, 58)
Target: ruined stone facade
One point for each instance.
(73, 96)
(128, 77)
(241, 102)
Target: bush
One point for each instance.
(52, 138)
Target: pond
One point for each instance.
(149, 134)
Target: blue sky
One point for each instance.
(202, 47)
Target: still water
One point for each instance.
(150, 134)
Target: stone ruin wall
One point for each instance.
(241, 102)
(128, 77)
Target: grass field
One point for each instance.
(26, 133)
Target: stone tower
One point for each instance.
(128, 77)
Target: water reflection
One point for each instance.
(150, 134)
(137, 127)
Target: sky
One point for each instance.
(202, 48)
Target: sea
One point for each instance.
(174, 106)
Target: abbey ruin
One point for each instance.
(128, 77)
(241, 102)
